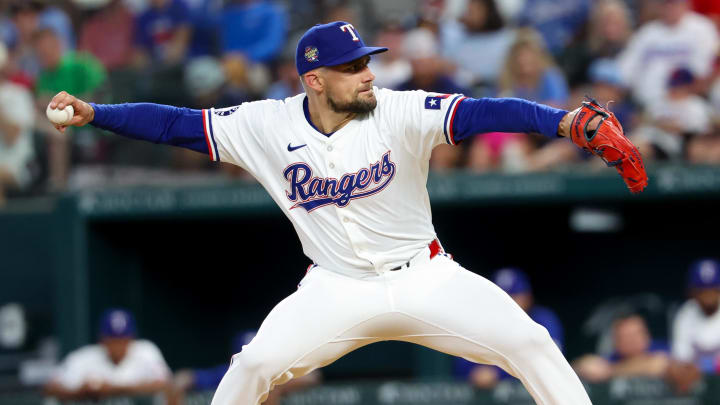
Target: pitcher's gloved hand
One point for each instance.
(607, 140)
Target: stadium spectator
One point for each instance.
(81, 73)
(54, 17)
(17, 117)
(529, 73)
(162, 33)
(505, 151)
(206, 82)
(205, 19)
(557, 21)
(7, 30)
(120, 365)
(257, 29)
(31, 15)
(608, 88)
(26, 20)
(516, 284)
(677, 123)
(108, 35)
(287, 84)
(696, 328)
(480, 31)
(645, 11)
(390, 68)
(660, 47)
(359, 13)
(607, 33)
(707, 149)
(635, 353)
(209, 378)
(429, 72)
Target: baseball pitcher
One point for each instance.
(348, 163)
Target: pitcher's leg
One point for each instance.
(311, 328)
(463, 314)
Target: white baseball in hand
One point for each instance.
(60, 117)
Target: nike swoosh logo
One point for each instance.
(293, 148)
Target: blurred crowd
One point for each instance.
(655, 61)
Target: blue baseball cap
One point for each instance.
(117, 322)
(330, 44)
(511, 280)
(704, 273)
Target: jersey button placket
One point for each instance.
(330, 156)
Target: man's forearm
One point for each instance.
(475, 116)
(141, 388)
(58, 391)
(154, 123)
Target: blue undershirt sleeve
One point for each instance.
(154, 123)
(480, 115)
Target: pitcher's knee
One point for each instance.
(256, 365)
(531, 337)
(540, 335)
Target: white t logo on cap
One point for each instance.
(707, 271)
(349, 28)
(118, 322)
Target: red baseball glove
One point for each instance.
(609, 142)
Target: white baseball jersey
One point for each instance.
(357, 199)
(143, 363)
(696, 337)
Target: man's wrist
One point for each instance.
(92, 113)
(565, 123)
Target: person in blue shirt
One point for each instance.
(558, 21)
(257, 29)
(514, 282)
(162, 32)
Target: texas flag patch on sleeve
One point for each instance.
(433, 102)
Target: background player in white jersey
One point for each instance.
(119, 365)
(348, 164)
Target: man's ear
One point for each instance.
(314, 80)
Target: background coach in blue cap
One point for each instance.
(696, 329)
(119, 365)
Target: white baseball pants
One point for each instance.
(434, 302)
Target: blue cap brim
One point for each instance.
(355, 54)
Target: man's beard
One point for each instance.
(356, 106)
